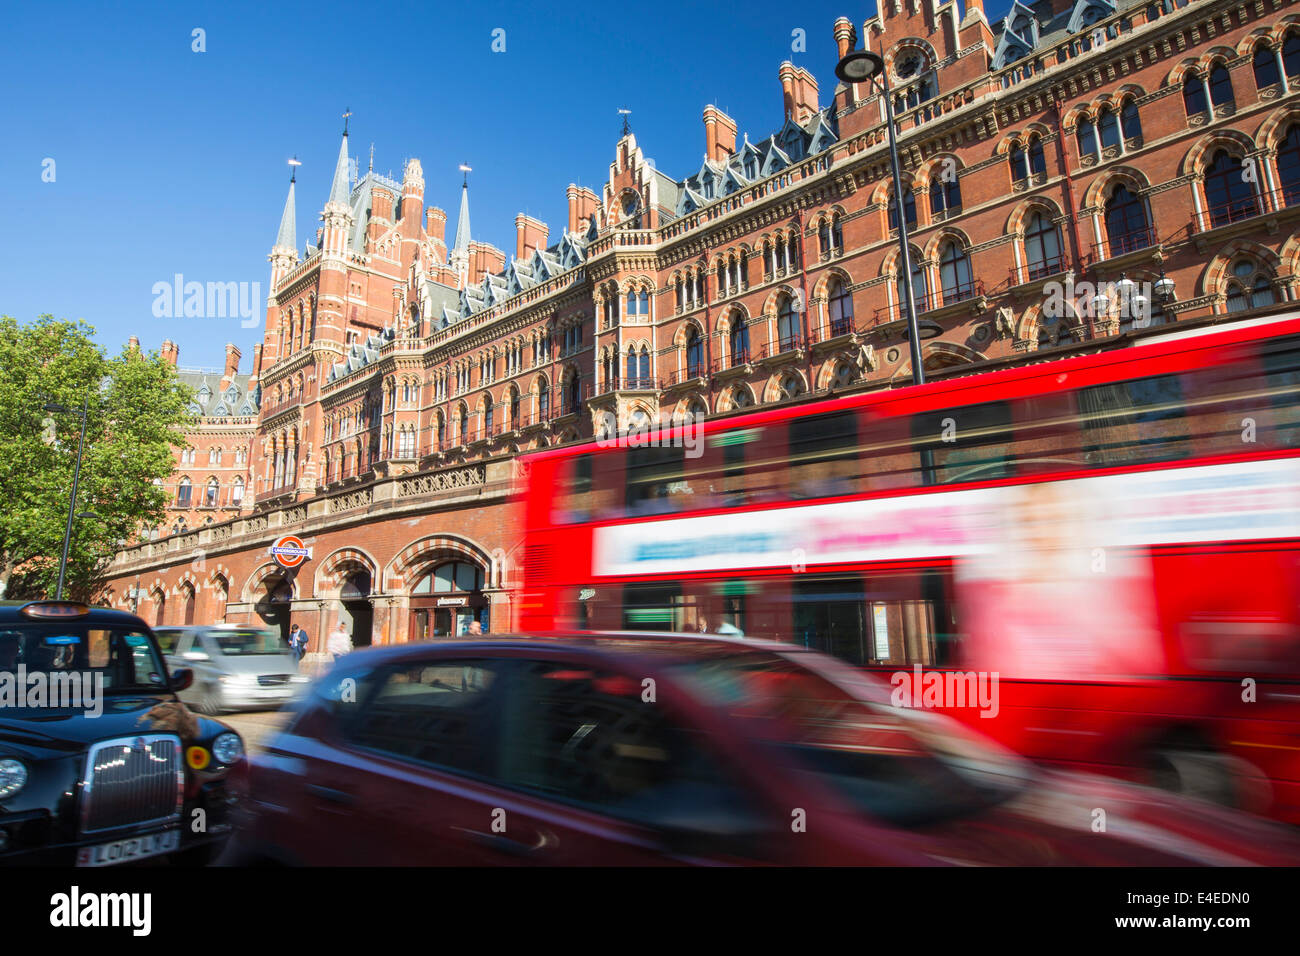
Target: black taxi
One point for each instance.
(100, 762)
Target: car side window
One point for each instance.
(587, 736)
(439, 713)
(184, 641)
(166, 641)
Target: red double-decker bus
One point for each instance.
(1094, 560)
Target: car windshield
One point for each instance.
(117, 659)
(903, 766)
(246, 643)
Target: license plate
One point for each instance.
(135, 848)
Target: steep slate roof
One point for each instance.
(211, 402)
(1039, 29)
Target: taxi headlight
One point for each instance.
(227, 748)
(13, 777)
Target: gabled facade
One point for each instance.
(1070, 143)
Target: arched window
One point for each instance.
(837, 235)
(211, 492)
(464, 425)
(824, 238)
(787, 327)
(694, 353)
(839, 307)
(543, 399)
(920, 284)
(954, 273)
(643, 367)
(1019, 164)
(909, 209)
(739, 340)
(1126, 222)
(1108, 127)
(945, 197)
(1042, 246)
(1129, 120)
(1291, 54)
(1228, 196)
(442, 431)
(487, 417)
(451, 578)
(1288, 165)
(1086, 138)
(514, 407)
(1220, 86)
(1249, 287)
(1265, 66)
(1037, 161)
(183, 493)
(1194, 100)
(237, 490)
(573, 393)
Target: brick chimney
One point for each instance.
(799, 91)
(435, 224)
(381, 204)
(484, 259)
(846, 36)
(719, 135)
(530, 235)
(257, 368)
(170, 352)
(133, 344)
(582, 206)
(232, 366)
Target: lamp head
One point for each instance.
(859, 66)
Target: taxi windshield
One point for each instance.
(906, 767)
(122, 658)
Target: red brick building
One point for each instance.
(1046, 155)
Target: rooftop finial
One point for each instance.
(372, 158)
(293, 169)
(466, 169)
(346, 114)
(627, 126)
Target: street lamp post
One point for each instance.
(861, 66)
(72, 501)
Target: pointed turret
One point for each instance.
(286, 238)
(284, 254)
(460, 251)
(339, 190)
(337, 215)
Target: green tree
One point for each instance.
(136, 417)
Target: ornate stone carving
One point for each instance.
(441, 481)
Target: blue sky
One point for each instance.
(170, 161)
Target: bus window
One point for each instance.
(1048, 435)
(910, 619)
(1140, 420)
(824, 457)
(744, 467)
(829, 615)
(652, 607)
(888, 456)
(1281, 362)
(573, 491)
(972, 443)
(655, 480)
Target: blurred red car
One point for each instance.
(637, 749)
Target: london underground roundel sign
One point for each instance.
(289, 551)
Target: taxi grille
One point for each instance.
(272, 680)
(132, 780)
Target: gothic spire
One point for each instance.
(339, 191)
(286, 238)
